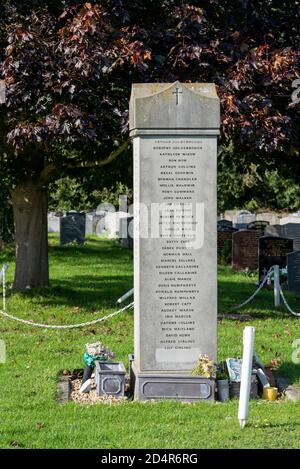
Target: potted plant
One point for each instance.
(222, 386)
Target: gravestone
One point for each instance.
(112, 223)
(224, 225)
(231, 215)
(293, 268)
(123, 206)
(53, 223)
(126, 232)
(244, 217)
(289, 230)
(274, 230)
(224, 246)
(91, 222)
(289, 219)
(72, 228)
(273, 251)
(271, 217)
(245, 249)
(292, 230)
(258, 225)
(89, 218)
(174, 129)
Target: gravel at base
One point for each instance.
(92, 396)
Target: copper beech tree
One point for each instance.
(68, 69)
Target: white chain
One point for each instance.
(268, 275)
(47, 326)
(286, 303)
(95, 321)
(67, 326)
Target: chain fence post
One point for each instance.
(276, 286)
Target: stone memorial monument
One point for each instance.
(174, 128)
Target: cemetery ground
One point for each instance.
(85, 283)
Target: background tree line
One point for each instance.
(68, 69)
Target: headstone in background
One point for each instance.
(53, 223)
(100, 227)
(224, 246)
(126, 232)
(289, 230)
(258, 226)
(293, 268)
(273, 251)
(230, 215)
(245, 249)
(224, 225)
(89, 218)
(292, 230)
(271, 217)
(274, 230)
(123, 207)
(244, 217)
(289, 219)
(105, 207)
(174, 129)
(112, 223)
(72, 228)
(91, 222)
(72, 212)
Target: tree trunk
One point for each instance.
(30, 206)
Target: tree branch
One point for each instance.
(93, 164)
(50, 169)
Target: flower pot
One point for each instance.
(110, 378)
(223, 390)
(270, 393)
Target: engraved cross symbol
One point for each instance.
(177, 93)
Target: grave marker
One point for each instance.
(72, 228)
(293, 267)
(245, 249)
(273, 251)
(258, 225)
(174, 129)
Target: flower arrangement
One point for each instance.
(96, 351)
(204, 367)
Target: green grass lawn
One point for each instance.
(85, 283)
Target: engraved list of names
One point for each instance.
(174, 228)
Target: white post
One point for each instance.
(248, 341)
(2, 276)
(276, 286)
(124, 297)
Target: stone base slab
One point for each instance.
(171, 385)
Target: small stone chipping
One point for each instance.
(90, 398)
